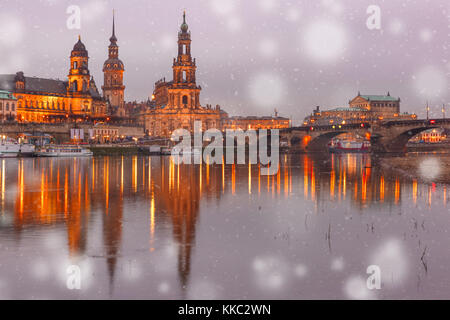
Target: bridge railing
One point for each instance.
(335, 127)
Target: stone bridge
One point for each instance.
(385, 137)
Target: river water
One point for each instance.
(144, 227)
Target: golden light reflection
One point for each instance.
(397, 191)
(364, 187)
(332, 183)
(21, 188)
(149, 173)
(444, 198)
(40, 200)
(249, 178)
(134, 173)
(207, 170)
(121, 176)
(66, 192)
(223, 174)
(152, 221)
(233, 179)
(106, 174)
(259, 179)
(286, 180)
(305, 177)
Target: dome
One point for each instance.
(184, 27)
(79, 49)
(113, 39)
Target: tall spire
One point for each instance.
(113, 38)
(184, 26)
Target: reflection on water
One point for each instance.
(144, 227)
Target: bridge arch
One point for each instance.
(320, 142)
(396, 142)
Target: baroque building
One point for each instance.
(113, 69)
(176, 104)
(50, 100)
(367, 108)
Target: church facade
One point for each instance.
(176, 104)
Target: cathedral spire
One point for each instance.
(113, 38)
(184, 26)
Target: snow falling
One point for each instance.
(322, 40)
(253, 57)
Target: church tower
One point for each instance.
(79, 86)
(184, 92)
(79, 77)
(113, 88)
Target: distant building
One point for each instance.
(376, 103)
(255, 123)
(104, 133)
(8, 106)
(432, 136)
(367, 108)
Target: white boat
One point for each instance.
(10, 149)
(63, 151)
(348, 146)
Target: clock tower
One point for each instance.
(113, 88)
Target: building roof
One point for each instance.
(43, 86)
(184, 27)
(379, 98)
(347, 109)
(79, 49)
(256, 118)
(39, 85)
(6, 95)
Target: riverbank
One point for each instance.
(425, 167)
(105, 150)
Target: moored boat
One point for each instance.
(10, 149)
(63, 151)
(348, 146)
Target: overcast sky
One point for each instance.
(252, 55)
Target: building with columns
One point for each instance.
(113, 69)
(367, 108)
